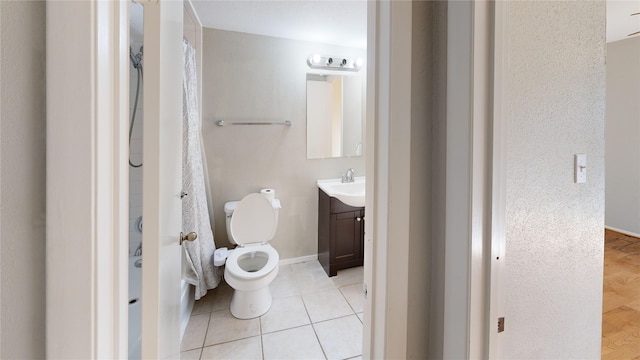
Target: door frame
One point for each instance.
(87, 213)
(500, 124)
(87, 179)
(471, 278)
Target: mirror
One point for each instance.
(334, 116)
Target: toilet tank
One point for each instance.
(230, 206)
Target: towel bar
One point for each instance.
(222, 123)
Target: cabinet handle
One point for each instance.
(358, 218)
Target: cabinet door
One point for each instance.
(346, 236)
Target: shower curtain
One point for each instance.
(195, 214)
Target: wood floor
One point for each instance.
(621, 302)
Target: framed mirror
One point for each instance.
(334, 116)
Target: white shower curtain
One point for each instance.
(195, 214)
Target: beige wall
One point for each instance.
(438, 181)
(22, 180)
(623, 136)
(254, 78)
(554, 227)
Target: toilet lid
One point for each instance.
(253, 221)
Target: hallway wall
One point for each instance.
(22, 179)
(622, 193)
(554, 227)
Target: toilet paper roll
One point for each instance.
(269, 194)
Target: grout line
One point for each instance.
(347, 300)
(261, 339)
(204, 340)
(319, 342)
(336, 318)
(230, 341)
(291, 328)
(313, 327)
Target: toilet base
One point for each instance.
(250, 304)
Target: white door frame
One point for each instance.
(468, 164)
(388, 83)
(87, 179)
(469, 212)
(476, 173)
(498, 238)
(87, 183)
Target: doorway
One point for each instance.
(622, 192)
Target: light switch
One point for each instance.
(580, 171)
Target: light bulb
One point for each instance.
(359, 62)
(316, 59)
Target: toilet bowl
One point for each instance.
(253, 264)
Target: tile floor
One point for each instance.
(312, 317)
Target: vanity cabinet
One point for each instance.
(340, 234)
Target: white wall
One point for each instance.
(22, 180)
(622, 192)
(251, 77)
(554, 227)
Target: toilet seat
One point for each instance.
(234, 268)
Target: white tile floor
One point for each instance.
(312, 317)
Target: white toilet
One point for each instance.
(253, 264)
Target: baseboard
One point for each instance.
(625, 232)
(298, 259)
(187, 300)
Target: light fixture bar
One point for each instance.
(334, 63)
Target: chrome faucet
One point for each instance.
(348, 177)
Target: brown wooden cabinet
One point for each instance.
(340, 234)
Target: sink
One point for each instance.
(351, 194)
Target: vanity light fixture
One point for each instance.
(334, 63)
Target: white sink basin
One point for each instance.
(351, 194)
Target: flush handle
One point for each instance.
(189, 237)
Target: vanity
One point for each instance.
(335, 104)
(340, 224)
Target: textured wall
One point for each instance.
(623, 136)
(22, 180)
(252, 77)
(554, 248)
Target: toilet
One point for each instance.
(253, 264)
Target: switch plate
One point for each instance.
(580, 168)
